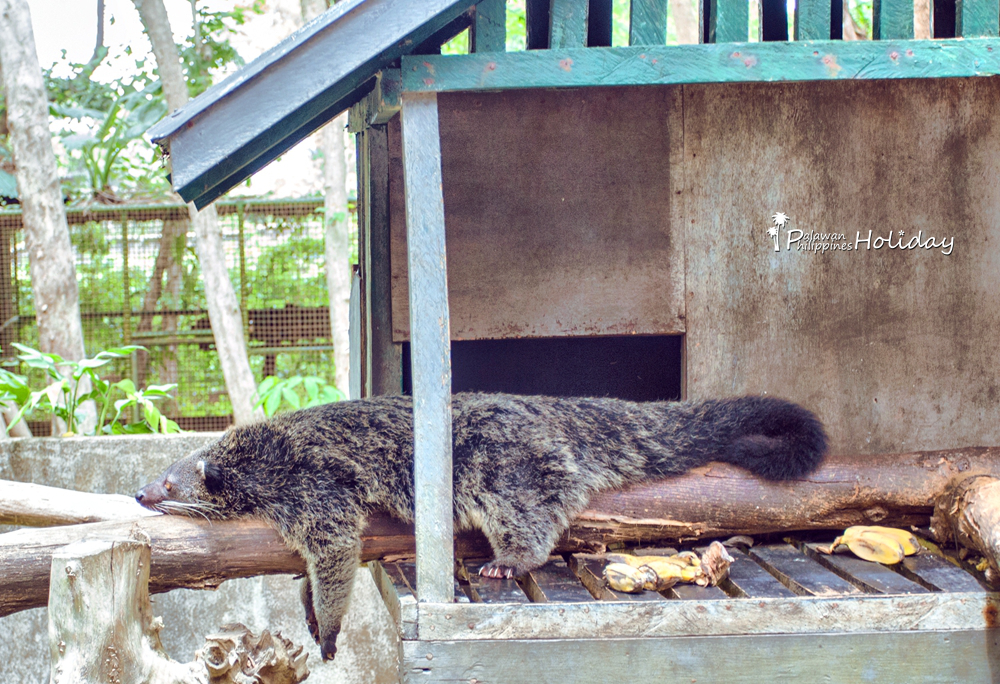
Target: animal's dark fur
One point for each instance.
(523, 468)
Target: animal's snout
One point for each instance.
(151, 494)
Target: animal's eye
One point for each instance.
(168, 486)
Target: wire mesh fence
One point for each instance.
(140, 283)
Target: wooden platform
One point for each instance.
(786, 613)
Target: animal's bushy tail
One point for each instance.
(773, 438)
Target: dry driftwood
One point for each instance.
(968, 513)
(714, 501)
(102, 629)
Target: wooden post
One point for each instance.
(386, 364)
(725, 21)
(568, 23)
(647, 22)
(812, 19)
(430, 345)
(975, 18)
(892, 19)
(489, 27)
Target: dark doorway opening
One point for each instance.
(634, 368)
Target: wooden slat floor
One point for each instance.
(775, 570)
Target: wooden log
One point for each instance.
(713, 501)
(35, 505)
(968, 513)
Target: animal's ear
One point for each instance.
(211, 475)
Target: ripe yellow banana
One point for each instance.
(905, 538)
(623, 577)
(878, 544)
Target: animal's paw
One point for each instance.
(498, 570)
(328, 646)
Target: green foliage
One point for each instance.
(63, 398)
(861, 12)
(101, 126)
(275, 394)
(209, 48)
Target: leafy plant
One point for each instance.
(63, 396)
(273, 393)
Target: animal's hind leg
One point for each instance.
(521, 539)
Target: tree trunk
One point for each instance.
(46, 233)
(685, 14)
(224, 315)
(338, 247)
(223, 305)
(713, 501)
(338, 231)
(101, 627)
(173, 237)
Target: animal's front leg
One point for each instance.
(331, 569)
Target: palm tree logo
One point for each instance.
(779, 220)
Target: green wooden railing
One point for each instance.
(816, 53)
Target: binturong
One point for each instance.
(523, 468)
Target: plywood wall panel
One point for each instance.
(896, 349)
(558, 212)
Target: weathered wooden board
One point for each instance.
(747, 579)
(867, 576)
(554, 582)
(939, 574)
(567, 230)
(925, 657)
(893, 348)
(799, 573)
(661, 618)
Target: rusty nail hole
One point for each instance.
(815, 53)
(736, 54)
(893, 55)
(909, 53)
(492, 66)
(642, 56)
(471, 625)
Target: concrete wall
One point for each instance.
(120, 465)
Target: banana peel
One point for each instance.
(886, 545)
(656, 573)
(624, 577)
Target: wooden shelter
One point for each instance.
(623, 198)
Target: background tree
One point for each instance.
(338, 230)
(223, 305)
(53, 269)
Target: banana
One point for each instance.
(623, 577)
(664, 574)
(682, 559)
(877, 544)
(906, 539)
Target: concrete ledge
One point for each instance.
(367, 649)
